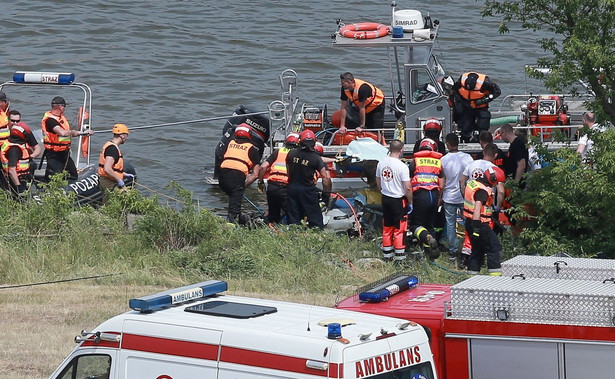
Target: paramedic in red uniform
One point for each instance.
(393, 179)
(427, 180)
(366, 98)
(239, 168)
(56, 139)
(475, 92)
(303, 197)
(477, 211)
(111, 162)
(275, 164)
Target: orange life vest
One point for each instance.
(117, 166)
(427, 169)
(279, 172)
(4, 126)
(23, 165)
(371, 102)
(475, 94)
(52, 141)
(486, 209)
(237, 157)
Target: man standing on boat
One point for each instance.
(239, 168)
(303, 197)
(111, 162)
(57, 136)
(475, 92)
(393, 180)
(365, 98)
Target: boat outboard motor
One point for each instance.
(259, 122)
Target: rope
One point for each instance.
(254, 205)
(356, 217)
(447, 269)
(58, 281)
(184, 122)
(158, 193)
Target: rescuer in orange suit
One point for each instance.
(4, 121)
(16, 156)
(111, 162)
(475, 92)
(364, 97)
(239, 168)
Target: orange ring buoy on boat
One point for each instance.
(365, 30)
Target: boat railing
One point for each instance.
(545, 133)
(575, 103)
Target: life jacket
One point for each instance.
(5, 132)
(427, 169)
(23, 165)
(486, 209)
(52, 141)
(475, 94)
(117, 166)
(237, 157)
(279, 172)
(371, 102)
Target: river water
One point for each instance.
(163, 61)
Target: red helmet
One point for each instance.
(432, 124)
(428, 144)
(20, 130)
(319, 148)
(307, 135)
(243, 131)
(494, 175)
(292, 139)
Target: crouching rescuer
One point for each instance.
(393, 180)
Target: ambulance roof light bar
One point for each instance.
(176, 296)
(31, 77)
(386, 288)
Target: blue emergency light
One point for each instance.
(43, 77)
(176, 296)
(389, 288)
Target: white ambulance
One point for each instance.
(194, 332)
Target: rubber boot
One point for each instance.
(400, 255)
(429, 242)
(387, 253)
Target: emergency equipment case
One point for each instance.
(193, 332)
(534, 266)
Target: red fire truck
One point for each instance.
(538, 320)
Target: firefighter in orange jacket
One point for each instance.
(364, 98)
(16, 155)
(4, 120)
(277, 181)
(239, 168)
(111, 162)
(477, 211)
(427, 181)
(475, 91)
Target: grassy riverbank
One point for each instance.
(141, 247)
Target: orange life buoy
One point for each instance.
(365, 30)
(349, 136)
(85, 140)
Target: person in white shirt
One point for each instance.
(393, 180)
(453, 165)
(585, 143)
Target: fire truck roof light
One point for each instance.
(176, 296)
(43, 77)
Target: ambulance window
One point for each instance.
(96, 366)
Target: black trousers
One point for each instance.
(60, 161)
(473, 119)
(303, 201)
(233, 183)
(486, 244)
(277, 201)
(425, 211)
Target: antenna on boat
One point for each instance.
(393, 9)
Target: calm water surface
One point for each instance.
(151, 62)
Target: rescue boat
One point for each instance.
(85, 187)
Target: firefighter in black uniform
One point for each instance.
(474, 92)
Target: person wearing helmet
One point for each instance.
(34, 148)
(478, 211)
(239, 168)
(475, 91)
(277, 181)
(303, 197)
(427, 180)
(431, 130)
(16, 155)
(57, 136)
(111, 162)
(359, 96)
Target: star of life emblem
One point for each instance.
(387, 174)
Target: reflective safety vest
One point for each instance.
(23, 165)
(4, 126)
(279, 172)
(237, 157)
(475, 94)
(486, 209)
(117, 166)
(427, 169)
(52, 141)
(371, 102)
